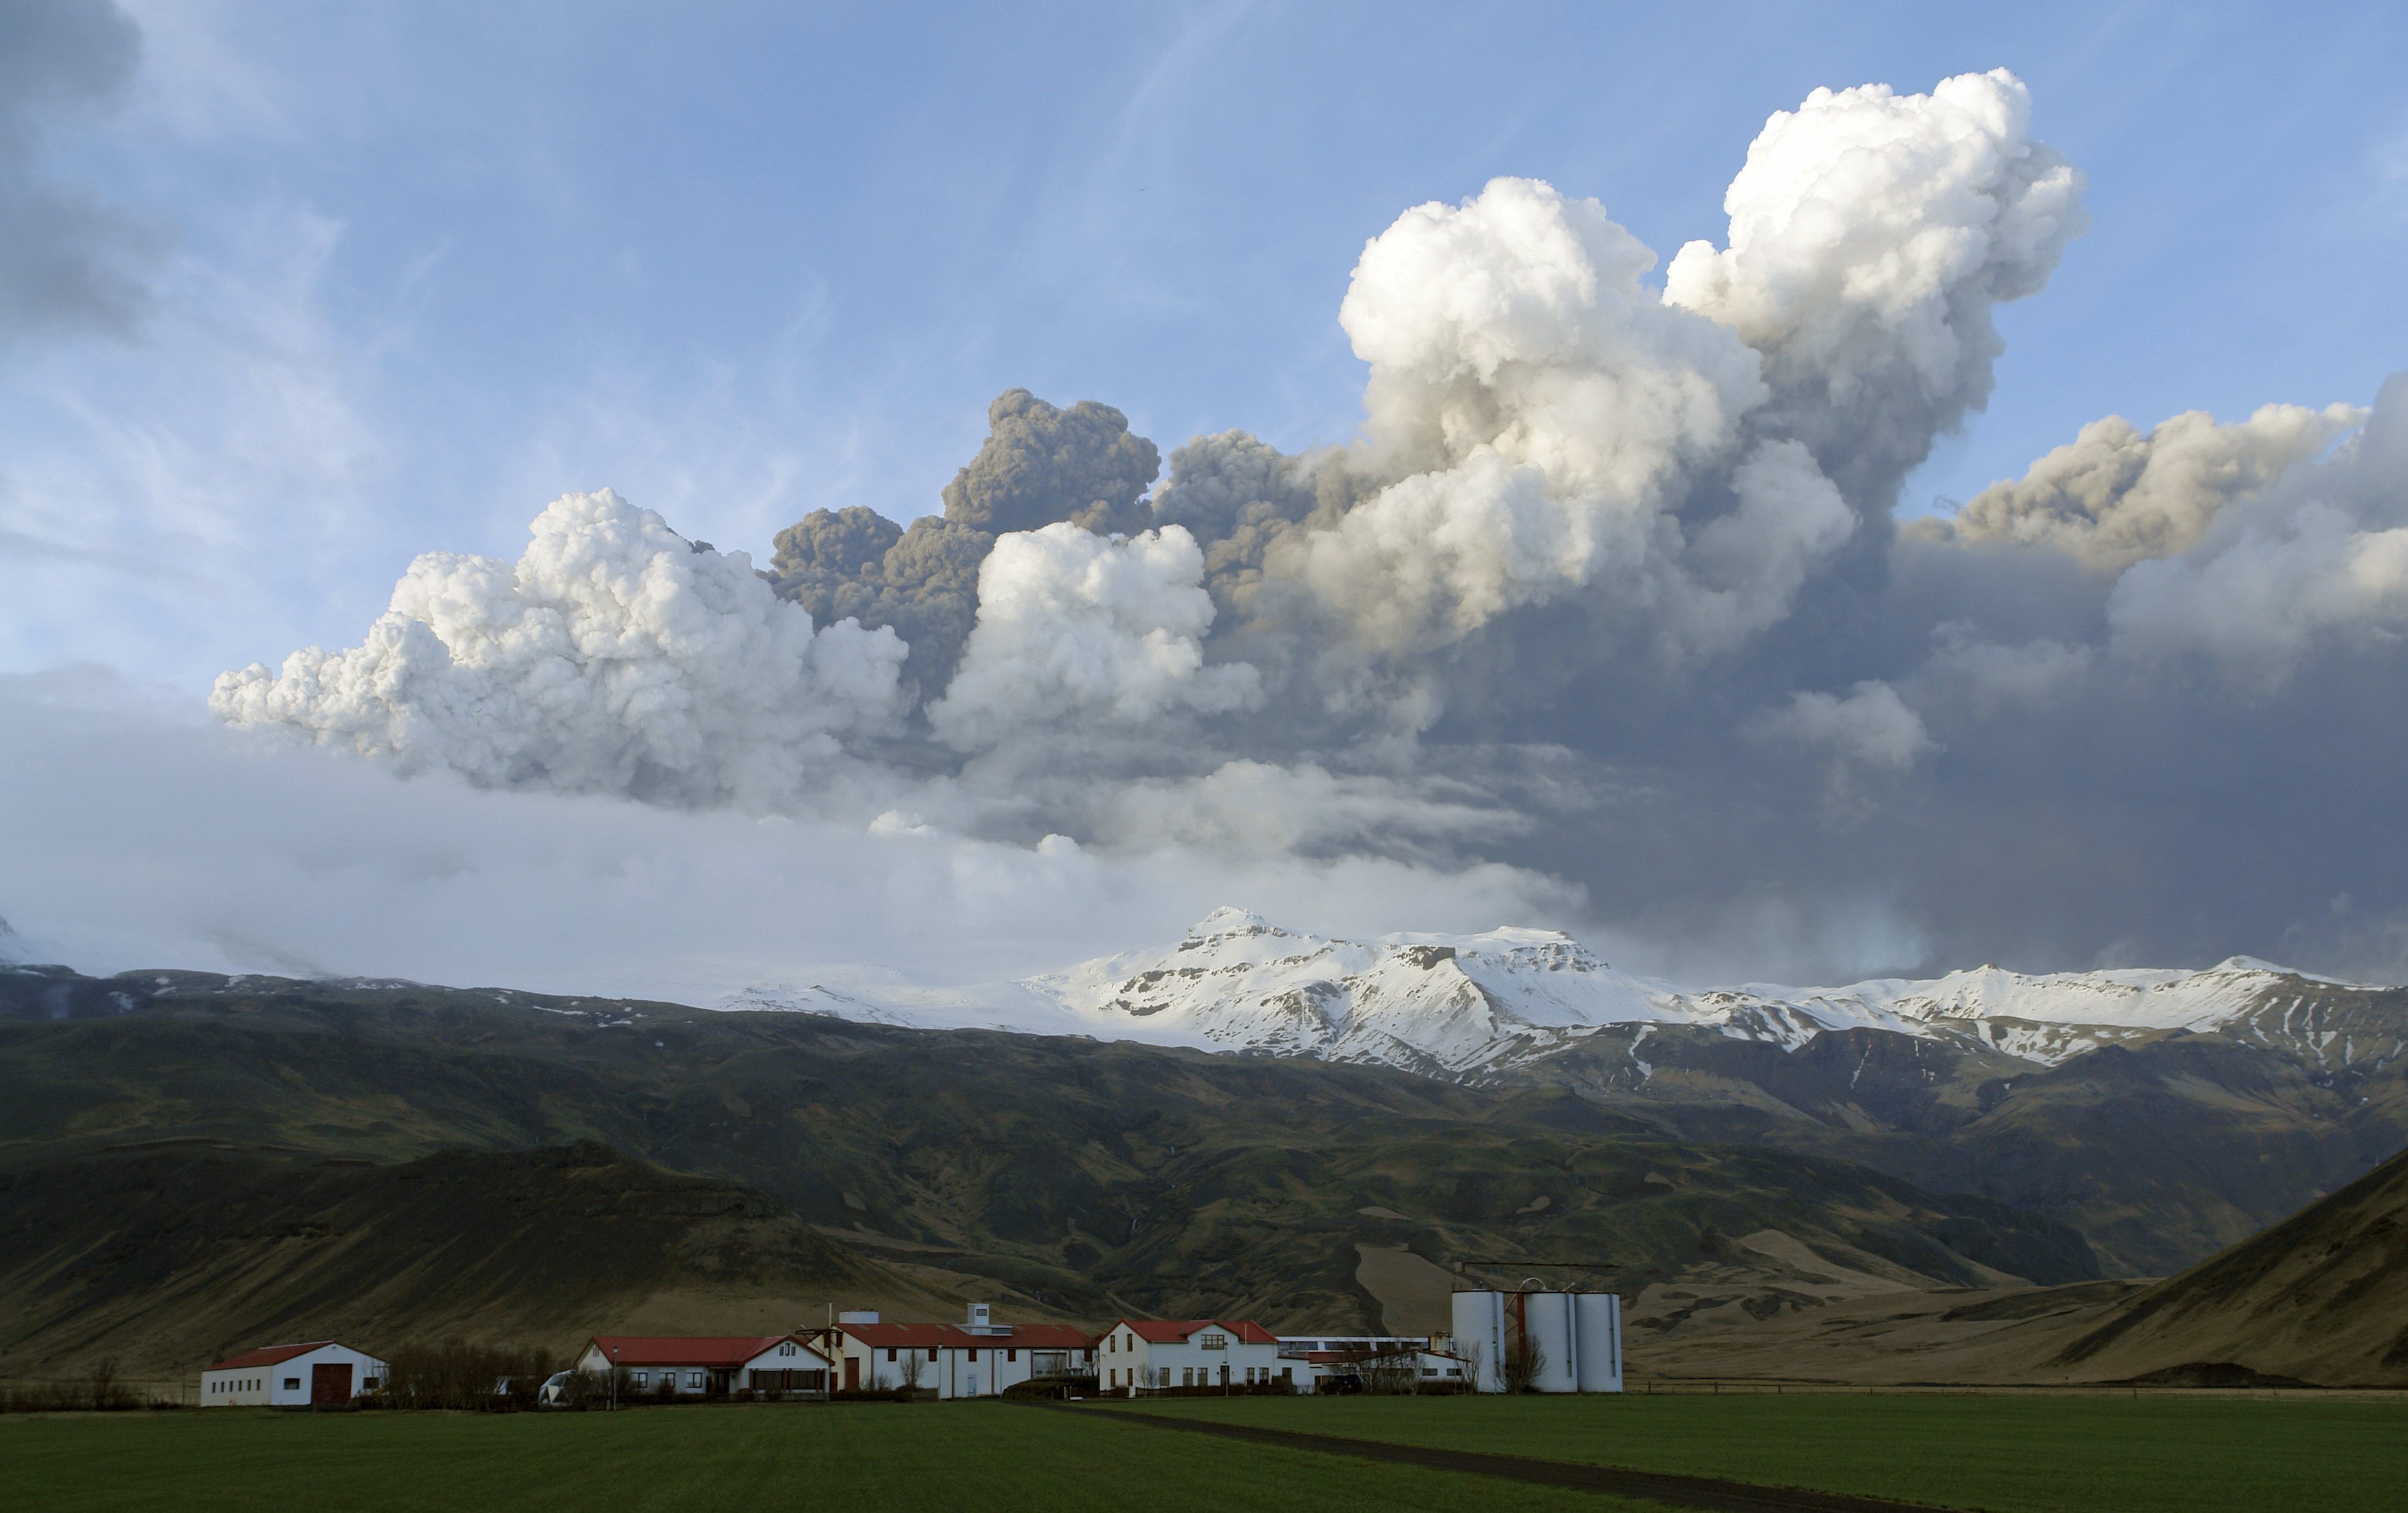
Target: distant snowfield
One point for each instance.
(1462, 1004)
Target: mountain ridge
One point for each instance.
(1470, 1005)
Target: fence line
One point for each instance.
(52, 1394)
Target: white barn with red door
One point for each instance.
(292, 1377)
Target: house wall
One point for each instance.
(786, 1355)
(692, 1381)
(879, 1374)
(986, 1369)
(948, 1370)
(1135, 1364)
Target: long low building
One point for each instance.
(323, 1373)
(707, 1366)
(978, 1358)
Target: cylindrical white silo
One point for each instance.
(1479, 1319)
(1547, 1317)
(1596, 1328)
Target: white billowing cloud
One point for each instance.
(2320, 558)
(613, 656)
(1517, 323)
(1552, 417)
(1871, 233)
(1079, 628)
(2116, 494)
(1869, 725)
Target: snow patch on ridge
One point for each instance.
(1464, 1003)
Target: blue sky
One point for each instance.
(389, 277)
(417, 270)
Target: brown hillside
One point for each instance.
(2322, 1296)
(167, 1259)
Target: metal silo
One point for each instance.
(1479, 1319)
(1547, 1323)
(1596, 1331)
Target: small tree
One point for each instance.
(1390, 1373)
(915, 1369)
(106, 1392)
(1522, 1364)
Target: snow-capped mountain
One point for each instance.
(1464, 1005)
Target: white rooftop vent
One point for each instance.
(982, 1320)
(857, 1316)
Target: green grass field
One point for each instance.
(2002, 1454)
(995, 1458)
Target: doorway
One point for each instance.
(330, 1382)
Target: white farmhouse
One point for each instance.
(658, 1366)
(292, 1377)
(978, 1359)
(1156, 1355)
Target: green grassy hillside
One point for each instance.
(164, 1259)
(2322, 1297)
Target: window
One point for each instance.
(1214, 1342)
(694, 1380)
(890, 1355)
(973, 1352)
(1011, 1355)
(638, 1378)
(292, 1384)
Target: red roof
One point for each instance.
(907, 1336)
(267, 1355)
(728, 1350)
(1176, 1330)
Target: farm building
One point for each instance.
(976, 1358)
(291, 1377)
(1159, 1354)
(1392, 1368)
(697, 1367)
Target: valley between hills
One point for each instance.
(189, 1161)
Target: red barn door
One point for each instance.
(330, 1382)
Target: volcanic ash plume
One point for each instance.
(1608, 588)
